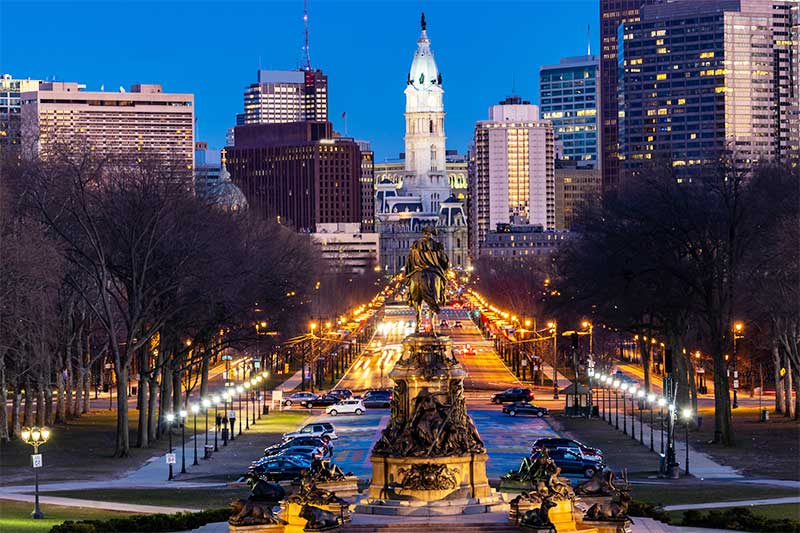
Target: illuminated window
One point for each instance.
(705, 55)
(681, 101)
(661, 76)
(661, 50)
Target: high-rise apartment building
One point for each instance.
(700, 77)
(367, 186)
(286, 96)
(144, 121)
(298, 173)
(569, 99)
(577, 187)
(612, 14)
(11, 90)
(513, 170)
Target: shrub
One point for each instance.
(639, 508)
(739, 519)
(155, 523)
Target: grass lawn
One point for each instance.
(691, 491)
(777, 512)
(15, 517)
(215, 498)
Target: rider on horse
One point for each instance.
(426, 275)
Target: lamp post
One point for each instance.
(661, 403)
(588, 325)
(616, 404)
(633, 413)
(254, 387)
(239, 390)
(170, 420)
(640, 396)
(225, 397)
(623, 388)
(35, 436)
(687, 416)
(553, 326)
(738, 327)
(650, 399)
(246, 386)
(183, 415)
(217, 422)
(195, 409)
(206, 407)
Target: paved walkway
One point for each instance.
(648, 525)
(93, 504)
(740, 503)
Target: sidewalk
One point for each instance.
(93, 504)
(740, 503)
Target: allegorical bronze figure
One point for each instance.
(426, 276)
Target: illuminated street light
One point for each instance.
(183, 415)
(687, 416)
(195, 409)
(170, 420)
(35, 436)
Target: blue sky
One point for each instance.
(213, 50)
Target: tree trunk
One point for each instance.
(87, 391)
(62, 400)
(692, 384)
(787, 382)
(122, 446)
(16, 404)
(204, 375)
(28, 413)
(722, 400)
(4, 435)
(796, 394)
(142, 430)
(49, 411)
(644, 350)
(165, 396)
(152, 420)
(176, 392)
(776, 363)
(40, 407)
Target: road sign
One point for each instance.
(277, 395)
(735, 383)
(524, 362)
(231, 414)
(171, 459)
(36, 460)
(257, 364)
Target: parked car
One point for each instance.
(524, 408)
(514, 394)
(298, 398)
(552, 443)
(573, 462)
(323, 430)
(458, 325)
(624, 378)
(306, 452)
(281, 468)
(341, 393)
(347, 407)
(377, 398)
(321, 401)
(297, 441)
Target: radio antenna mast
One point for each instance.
(305, 24)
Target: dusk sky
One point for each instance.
(213, 49)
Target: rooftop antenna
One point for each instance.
(305, 24)
(588, 40)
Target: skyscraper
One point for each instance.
(367, 186)
(127, 124)
(699, 77)
(568, 93)
(286, 96)
(513, 170)
(612, 14)
(11, 90)
(425, 197)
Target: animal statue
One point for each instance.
(616, 510)
(251, 513)
(560, 489)
(426, 276)
(601, 484)
(539, 518)
(318, 519)
(264, 491)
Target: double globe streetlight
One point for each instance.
(35, 436)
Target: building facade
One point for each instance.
(612, 14)
(424, 198)
(513, 181)
(286, 96)
(299, 173)
(569, 99)
(207, 166)
(125, 124)
(577, 187)
(347, 247)
(521, 243)
(703, 77)
(11, 90)
(456, 168)
(367, 187)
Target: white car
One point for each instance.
(346, 407)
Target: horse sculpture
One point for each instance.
(426, 276)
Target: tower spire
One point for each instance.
(305, 44)
(422, 22)
(588, 40)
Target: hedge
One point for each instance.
(153, 523)
(639, 508)
(739, 519)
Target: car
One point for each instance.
(297, 441)
(624, 378)
(524, 408)
(377, 398)
(552, 443)
(444, 324)
(514, 394)
(341, 393)
(280, 468)
(306, 452)
(346, 407)
(458, 325)
(572, 461)
(467, 349)
(321, 401)
(323, 430)
(298, 398)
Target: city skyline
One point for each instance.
(211, 55)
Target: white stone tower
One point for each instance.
(426, 175)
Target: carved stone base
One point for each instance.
(261, 528)
(606, 526)
(297, 524)
(469, 472)
(347, 488)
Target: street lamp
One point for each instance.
(195, 409)
(170, 420)
(217, 422)
(623, 388)
(640, 396)
(633, 412)
(183, 415)
(588, 325)
(206, 407)
(650, 399)
(35, 436)
(254, 393)
(738, 328)
(687, 416)
(661, 403)
(239, 390)
(246, 386)
(616, 404)
(553, 327)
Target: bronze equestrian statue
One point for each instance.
(426, 276)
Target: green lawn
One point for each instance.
(705, 491)
(777, 512)
(15, 517)
(215, 498)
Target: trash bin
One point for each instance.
(208, 449)
(266, 409)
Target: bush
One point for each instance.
(154, 523)
(638, 508)
(739, 519)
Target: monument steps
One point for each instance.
(431, 528)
